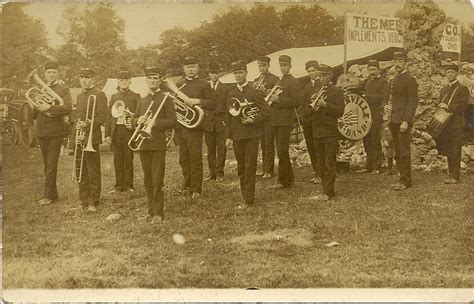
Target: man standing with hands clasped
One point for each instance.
(404, 98)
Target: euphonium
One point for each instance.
(188, 116)
(143, 130)
(119, 110)
(276, 90)
(80, 137)
(41, 93)
(319, 95)
(244, 109)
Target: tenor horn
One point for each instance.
(119, 110)
(244, 109)
(41, 93)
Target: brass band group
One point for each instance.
(245, 115)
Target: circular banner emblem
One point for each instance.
(356, 121)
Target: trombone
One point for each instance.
(79, 147)
(143, 130)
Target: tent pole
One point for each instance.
(345, 44)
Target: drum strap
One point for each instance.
(452, 95)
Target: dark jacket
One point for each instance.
(198, 88)
(269, 79)
(305, 109)
(375, 91)
(283, 110)
(404, 94)
(54, 125)
(130, 99)
(165, 120)
(458, 104)
(325, 119)
(235, 129)
(214, 119)
(100, 115)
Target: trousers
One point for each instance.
(123, 159)
(190, 158)
(373, 147)
(90, 184)
(153, 165)
(285, 171)
(246, 153)
(401, 143)
(326, 148)
(50, 149)
(216, 153)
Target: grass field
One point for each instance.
(421, 237)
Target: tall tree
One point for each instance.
(24, 43)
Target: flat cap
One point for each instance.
(152, 70)
(263, 59)
(451, 66)
(124, 74)
(399, 56)
(284, 59)
(311, 63)
(190, 60)
(51, 65)
(373, 63)
(213, 67)
(239, 66)
(324, 69)
(86, 71)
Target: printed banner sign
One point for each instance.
(365, 29)
(451, 41)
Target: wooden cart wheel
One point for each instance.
(26, 125)
(14, 133)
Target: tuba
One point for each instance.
(119, 110)
(188, 116)
(41, 93)
(244, 109)
(276, 90)
(79, 147)
(143, 130)
(321, 94)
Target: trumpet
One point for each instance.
(80, 137)
(143, 130)
(275, 91)
(319, 95)
(188, 116)
(41, 93)
(244, 109)
(119, 110)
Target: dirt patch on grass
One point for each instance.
(296, 237)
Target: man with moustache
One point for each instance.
(50, 130)
(404, 99)
(118, 132)
(265, 82)
(214, 126)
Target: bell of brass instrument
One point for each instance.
(276, 90)
(41, 93)
(244, 109)
(188, 116)
(143, 130)
(119, 110)
(80, 147)
(319, 95)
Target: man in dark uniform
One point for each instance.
(243, 131)
(153, 149)
(325, 131)
(90, 184)
(312, 86)
(50, 130)
(283, 115)
(190, 139)
(118, 132)
(375, 89)
(265, 82)
(454, 98)
(404, 98)
(214, 126)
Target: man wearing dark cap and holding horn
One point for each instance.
(119, 129)
(454, 99)
(50, 130)
(264, 83)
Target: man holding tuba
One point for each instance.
(50, 130)
(190, 139)
(153, 148)
(91, 115)
(265, 82)
(243, 130)
(118, 130)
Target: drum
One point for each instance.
(356, 121)
(439, 121)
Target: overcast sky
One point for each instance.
(154, 18)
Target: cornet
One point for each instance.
(143, 130)
(244, 109)
(275, 91)
(41, 93)
(319, 95)
(80, 136)
(260, 84)
(119, 110)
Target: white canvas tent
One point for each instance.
(331, 55)
(138, 85)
